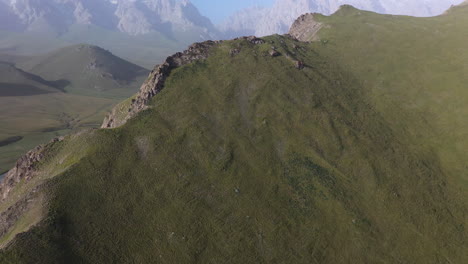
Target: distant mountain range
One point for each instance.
(277, 19)
(139, 17)
(134, 17)
(146, 31)
(142, 31)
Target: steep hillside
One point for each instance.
(427, 81)
(265, 150)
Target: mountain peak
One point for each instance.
(90, 62)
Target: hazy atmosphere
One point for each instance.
(243, 131)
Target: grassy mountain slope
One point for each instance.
(425, 82)
(243, 158)
(71, 88)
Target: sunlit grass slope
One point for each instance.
(413, 69)
(246, 159)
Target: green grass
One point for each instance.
(425, 82)
(247, 159)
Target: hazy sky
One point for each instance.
(217, 10)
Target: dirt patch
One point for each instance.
(143, 145)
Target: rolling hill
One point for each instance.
(50, 95)
(90, 70)
(342, 142)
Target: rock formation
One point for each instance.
(155, 82)
(305, 28)
(25, 168)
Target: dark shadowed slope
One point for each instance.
(266, 151)
(16, 82)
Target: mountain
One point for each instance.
(88, 69)
(347, 148)
(50, 95)
(281, 15)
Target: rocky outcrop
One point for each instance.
(252, 39)
(155, 83)
(274, 53)
(305, 28)
(25, 168)
(10, 216)
(299, 65)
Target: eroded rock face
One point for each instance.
(9, 217)
(305, 28)
(25, 168)
(155, 82)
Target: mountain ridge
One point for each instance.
(246, 157)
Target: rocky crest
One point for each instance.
(305, 28)
(155, 82)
